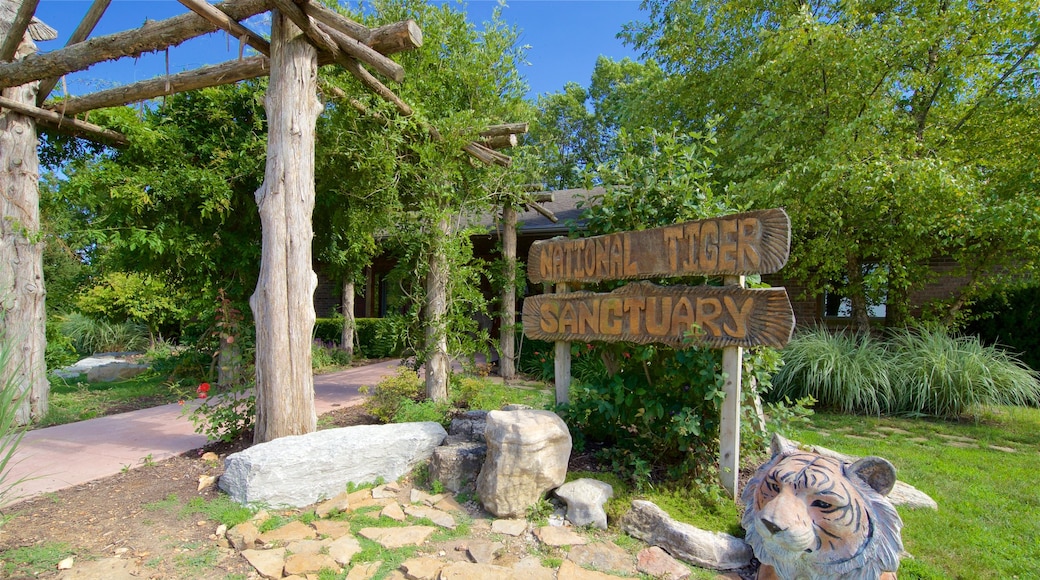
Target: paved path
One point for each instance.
(58, 457)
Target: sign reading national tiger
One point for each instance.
(756, 242)
(678, 316)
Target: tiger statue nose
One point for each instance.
(773, 528)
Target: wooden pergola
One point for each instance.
(304, 36)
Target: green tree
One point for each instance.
(463, 80)
(177, 204)
(892, 131)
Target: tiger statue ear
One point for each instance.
(876, 472)
(781, 445)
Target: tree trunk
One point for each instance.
(857, 295)
(507, 331)
(436, 314)
(283, 304)
(897, 307)
(22, 313)
(346, 341)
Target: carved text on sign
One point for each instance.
(674, 315)
(749, 243)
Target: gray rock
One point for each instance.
(714, 550)
(301, 470)
(527, 456)
(603, 556)
(115, 371)
(457, 465)
(468, 426)
(585, 500)
(908, 496)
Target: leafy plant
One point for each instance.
(325, 356)
(388, 395)
(90, 335)
(947, 376)
(224, 413)
(847, 372)
(11, 432)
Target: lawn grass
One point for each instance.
(74, 400)
(988, 522)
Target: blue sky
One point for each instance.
(565, 38)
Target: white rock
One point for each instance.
(299, 470)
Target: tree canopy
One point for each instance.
(893, 131)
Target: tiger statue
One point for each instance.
(812, 517)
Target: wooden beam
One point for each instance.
(389, 39)
(150, 37)
(544, 197)
(324, 42)
(17, 31)
(208, 76)
(488, 156)
(365, 53)
(83, 30)
(505, 129)
(548, 214)
(396, 37)
(499, 141)
(224, 22)
(60, 122)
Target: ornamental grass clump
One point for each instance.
(846, 372)
(10, 431)
(947, 376)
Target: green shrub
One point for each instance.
(329, 330)
(388, 395)
(536, 359)
(91, 336)
(410, 411)
(948, 376)
(328, 355)
(1011, 321)
(61, 351)
(924, 371)
(846, 372)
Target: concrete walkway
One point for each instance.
(67, 455)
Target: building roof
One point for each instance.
(564, 206)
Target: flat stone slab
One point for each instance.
(558, 536)
(300, 470)
(392, 538)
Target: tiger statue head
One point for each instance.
(810, 516)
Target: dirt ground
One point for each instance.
(137, 515)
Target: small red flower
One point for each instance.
(626, 354)
(203, 395)
(204, 388)
(181, 402)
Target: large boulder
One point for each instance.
(303, 469)
(456, 465)
(527, 455)
(714, 550)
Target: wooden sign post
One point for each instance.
(729, 317)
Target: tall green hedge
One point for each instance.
(376, 337)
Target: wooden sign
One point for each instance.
(645, 313)
(756, 242)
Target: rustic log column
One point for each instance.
(507, 331)
(562, 362)
(437, 362)
(346, 338)
(22, 316)
(283, 304)
(729, 426)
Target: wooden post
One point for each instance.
(507, 332)
(729, 427)
(22, 316)
(283, 304)
(563, 362)
(437, 361)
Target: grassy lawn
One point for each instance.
(74, 400)
(988, 522)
